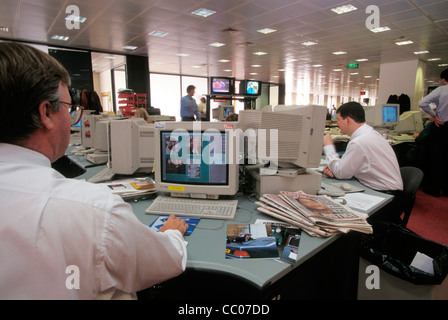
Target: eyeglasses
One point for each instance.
(75, 111)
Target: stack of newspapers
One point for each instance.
(319, 216)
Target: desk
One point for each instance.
(326, 268)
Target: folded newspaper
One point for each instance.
(319, 216)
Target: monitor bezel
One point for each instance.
(231, 90)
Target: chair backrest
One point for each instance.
(412, 177)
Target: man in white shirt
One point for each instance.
(64, 238)
(368, 157)
(436, 180)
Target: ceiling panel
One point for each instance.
(112, 24)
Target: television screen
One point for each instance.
(253, 88)
(222, 85)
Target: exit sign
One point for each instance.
(352, 66)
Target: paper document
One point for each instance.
(362, 201)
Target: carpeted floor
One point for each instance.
(429, 217)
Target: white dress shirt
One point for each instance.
(48, 224)
(369, 158)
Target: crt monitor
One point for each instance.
(409, 122)
(225, 111)
(287, 135)
(250, 87)
(382, 115)
(196, 160)
(132, 146)
(222, 85)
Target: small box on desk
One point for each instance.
(309, 182)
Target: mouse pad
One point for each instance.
(354, 188)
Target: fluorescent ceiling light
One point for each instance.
(421, 52)
(317, 65)
(217, 44)
(256, 65)
(202, 12)
(227, 70)
(367, 77)
(157, 33)
(260, 53)
(223, 60)
(354, 73)
(443, 65)
(344, 9)
(71, 17)
(182, 54)
(380, 29)
(253, 73)
(281, 70)
(266, 30)
(57, 37)
(309, 43)
(5, 29)
(339, 52)
(337, 69)
(109, 57)
(130, 47)
(434, 59)
(362, 59)
(403, 42)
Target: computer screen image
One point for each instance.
(222, 85)
(250, 87)
(195, 162)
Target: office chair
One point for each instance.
(412, 177)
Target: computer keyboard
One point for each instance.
(104, 175)
(202, 208)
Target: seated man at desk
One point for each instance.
(368, 157)
(64, 238)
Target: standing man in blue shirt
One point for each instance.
(436, 180)
(188, 107)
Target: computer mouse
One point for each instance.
(346, 187)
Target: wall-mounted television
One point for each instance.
(222, 85)
(250, 88)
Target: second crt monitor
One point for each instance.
(196, 159)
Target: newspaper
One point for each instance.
(319, 216)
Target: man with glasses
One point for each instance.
(64, 238)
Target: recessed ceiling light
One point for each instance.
(157, 33)
(403, 42)
(217, 44)
(4, 29)
(281, 70)
(266, 30)
(195, 67)
(443, 65)
(253, 73)
(434, 59)
(362, 59)
(344, 9)
(421, 52)
(71, 17)
(109, 57)
(202, 12)
(57, 37)
(182, 54)
(256, 65)
(309, 43)
(223, 60)
(317, 65)
(379, 29)
(339, 52)
(130, 47)
(367, 77)
(227, 70)
(354, 73)
(260, 53)
(337, 69)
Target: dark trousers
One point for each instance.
(436, 176)
(188, 119)
(390, 213)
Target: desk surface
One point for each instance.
(206, 244)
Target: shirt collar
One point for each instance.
(16, 154)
